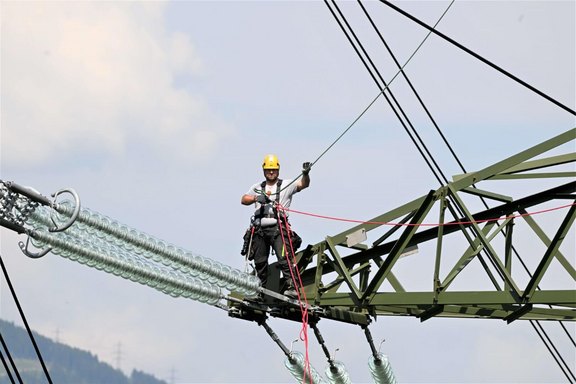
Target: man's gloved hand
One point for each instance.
(306, 168)
(262, 199)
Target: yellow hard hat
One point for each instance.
(271, 162)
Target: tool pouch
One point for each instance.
(247, 237)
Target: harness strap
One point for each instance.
(278, 185)
(260, 213)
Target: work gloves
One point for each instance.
(262, 199)
(306, 168)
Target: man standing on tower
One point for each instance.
(270, 227)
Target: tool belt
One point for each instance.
(292, 238)
(268, 215)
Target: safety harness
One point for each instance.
(263, 207)
(255, 221)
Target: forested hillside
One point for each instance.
(66, 365)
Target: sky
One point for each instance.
(159, 114)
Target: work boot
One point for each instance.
(290, 291)
(257, 299)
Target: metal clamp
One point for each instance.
(32, 255)
(75, 213)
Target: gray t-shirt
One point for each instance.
(287, 190)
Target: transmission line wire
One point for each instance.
(420, 99)
(443, 137)
(442, 179)
(10, 360)
(401, 70)
(543, 332)
(538, 328)
(422, 147)
(438, 172)
(30, 335)
(477, 56)
(8, 372)
(371, 102)
(414, 130)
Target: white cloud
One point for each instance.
(91, 77)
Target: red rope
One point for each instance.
(428, 224)
(297, 283)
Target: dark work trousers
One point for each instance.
(264, 239)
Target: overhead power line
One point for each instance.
(30, 335)
(381, 83)
(5, 364)
(401, 70)
(477, 56)
(421, 146)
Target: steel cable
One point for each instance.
(401, 70)
(477, 56)
(440, 177)
(431, 30)
(420, 146)
(30, 335)
(5, 364)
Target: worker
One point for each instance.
(267, 231)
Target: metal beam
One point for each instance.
(399, 245)
(505, 300)
(550, 252)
